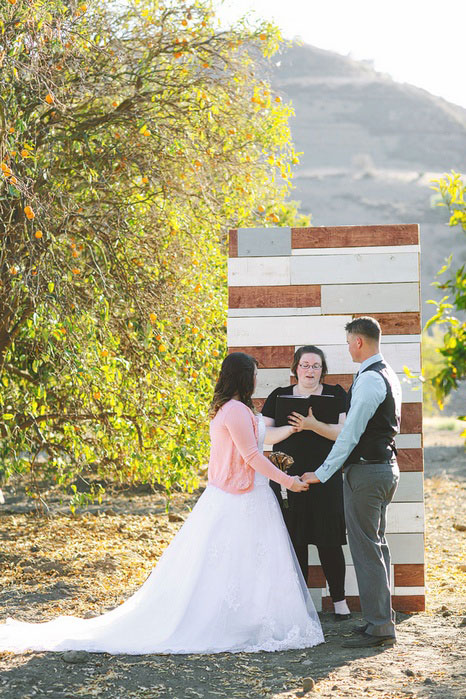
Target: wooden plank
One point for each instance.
(259, 271)
(297, 330)
(354, 236)
(408, 603)
(365, 250)
(297, 295)
(316, 577)
(345, 380)
(233, 243)
(406, 547)
(269, 379)
(260, 242)
(408, 441)
(410, 487)
(269, 356)
(400, 603)
(370, 298)
(258, 403)
(411, 418)
(355, 269)
(277, 312)
(410, 459)
(397, 323)
(405, 517)
(339, 360)
(409, 574)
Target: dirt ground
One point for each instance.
(88, 563)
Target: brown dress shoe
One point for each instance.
(366, 640)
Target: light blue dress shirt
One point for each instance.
(369, 391)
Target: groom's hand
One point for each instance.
(310, 477)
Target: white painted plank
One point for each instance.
(290, 330)
(406, 547)
(259, 271)
(269, 379)
(411, 389)
(414, 590)
(355, 269)
(316, 596)
(276, 312)
(370, 298)
(410, 488)
(374, 250)
(339, 360)
(399, 339)
(408, 441)
(405, 517)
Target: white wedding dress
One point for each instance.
(229, 581)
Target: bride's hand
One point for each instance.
(298, 485)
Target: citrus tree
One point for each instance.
(452, 191)
(132, 136)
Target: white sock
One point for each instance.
(341, 607)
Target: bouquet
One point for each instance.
(283, 462)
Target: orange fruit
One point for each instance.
(38, 235)
(97, 395)
(178, 54)
(278, 99)
(261, 209)
(162, 348)
(114, 104)
(158, 338)
(145, 180)
(11, 129)
(75, 253)
(13, 180)
(13, 270)
(29, 212)
(263, 37)
(153, 317)
(104, 353)
(25, 153)
(215, 353)
(75, 270)
(184, 22)
(49, 98)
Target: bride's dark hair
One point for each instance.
(236, 379)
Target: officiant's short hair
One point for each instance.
(366, 326)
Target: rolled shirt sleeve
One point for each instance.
(368, 393)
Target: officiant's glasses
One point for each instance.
(311, 366)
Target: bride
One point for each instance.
(229, 581)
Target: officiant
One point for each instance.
(316, 516)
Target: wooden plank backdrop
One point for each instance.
(294, 286)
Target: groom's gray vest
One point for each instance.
(377, 442)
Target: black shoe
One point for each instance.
(366, 640)
(359, 629)
(342, 617)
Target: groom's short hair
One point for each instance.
(365, 326)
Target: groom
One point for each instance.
(365, 448)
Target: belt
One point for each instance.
(374, 461)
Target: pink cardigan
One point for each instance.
(234, 455)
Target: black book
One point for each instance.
(325, 408)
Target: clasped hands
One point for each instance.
(302, 422)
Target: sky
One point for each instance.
(421, 42)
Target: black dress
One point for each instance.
(316, 516)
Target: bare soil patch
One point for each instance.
(86, 564)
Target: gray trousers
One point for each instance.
(367, 490)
